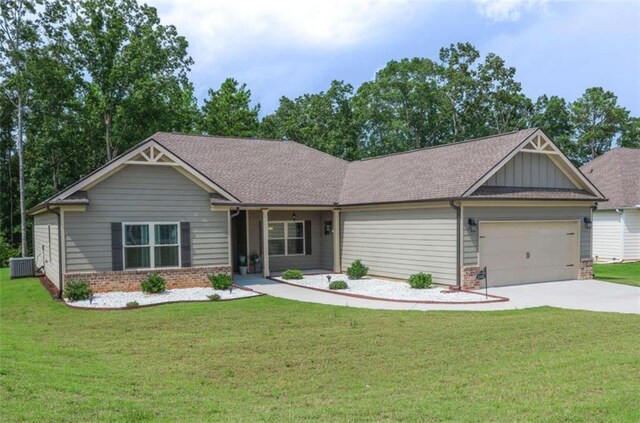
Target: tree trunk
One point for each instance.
(23, 206)
(107, 134)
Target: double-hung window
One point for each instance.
(151, 245)
(286, 238)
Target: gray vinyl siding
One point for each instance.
(141, 193)
(522, 213)
(398, 243)
(281, 263)
(326, 242)
(530, 170)
(46, 243)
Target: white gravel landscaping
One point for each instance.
(120, 299)
(386, 289)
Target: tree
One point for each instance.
(135, 68)
(597, 119)
(19, 38)
(325, 121)
(553, 115)
(228, 111)
(630, 136)
(403, 108)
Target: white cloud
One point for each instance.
(227, 24)
(508, 10)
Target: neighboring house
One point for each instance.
(616, 223)
(185, 206)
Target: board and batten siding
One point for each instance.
(144, 193)
(399, 243)
(530, 170)
(607, 235)
(470, 239)
(631, 234)
(46, 243)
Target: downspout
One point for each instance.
(458, 231)
(60, 255)
(236, 213)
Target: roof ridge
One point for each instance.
(450, 144)
(223, 136)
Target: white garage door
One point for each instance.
(526, 252)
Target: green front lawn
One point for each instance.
(626, 273)
(267, 359)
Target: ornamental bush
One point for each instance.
(292, 274)
(338, 285)
(153, 284)
(77, 289)
(420, 280)
(132, 304)
(357, 270)
(221, 281)
(214, 297)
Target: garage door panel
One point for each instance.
(526, 252)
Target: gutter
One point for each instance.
(60, 255)
(458, 232)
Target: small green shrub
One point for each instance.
(153, 284)
(221, 281)
(214, 297)
(357, 270)
(76, 290)
(292, 274)
(7, 251)
(338, 285)
(132, 304)
(420, 280)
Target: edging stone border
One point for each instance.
(165, 303)
(498, 299)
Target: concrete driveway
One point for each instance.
(589, 295)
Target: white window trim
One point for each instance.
(151, 245)
(286, 238)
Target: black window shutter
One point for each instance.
(185, 243)
(307, 237)
(116, 246)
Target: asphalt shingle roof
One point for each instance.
(285, 173)
(617, 175)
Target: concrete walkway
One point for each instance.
(589, 295)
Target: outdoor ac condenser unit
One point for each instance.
(21, 267)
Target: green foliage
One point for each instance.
(7, 251)
(76, 290)
(213, 297)
(597, 120)
(357, 270)
(132, 304)
(221, 281)
(292, 274)
(338, 285)
(326, 121)
(228, 111)
(420, 280)
(153, 284)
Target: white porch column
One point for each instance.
(336, 241)
(265, 243)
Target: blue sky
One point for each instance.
(295, 47)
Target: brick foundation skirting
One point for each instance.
(469, 277)
(129, 280)
(586, 269)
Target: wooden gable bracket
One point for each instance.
(152, 156)
(539, 145)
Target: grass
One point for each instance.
(267, 359)
(625, 273)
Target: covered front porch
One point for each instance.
(271, 240)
